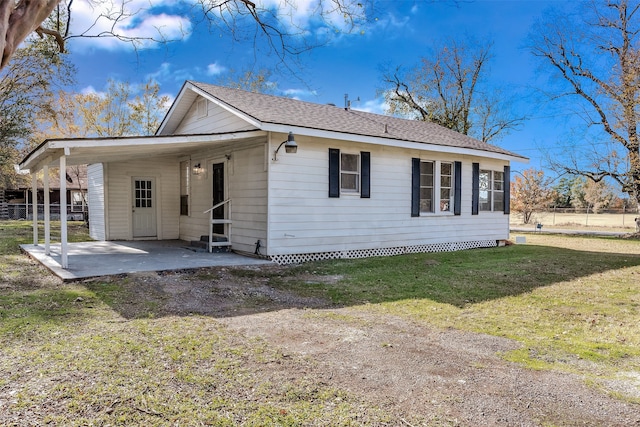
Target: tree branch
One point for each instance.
(59, 40)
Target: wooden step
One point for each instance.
(219, 244)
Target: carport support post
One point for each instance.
(34, 206)
(47, 214)
(63, 211)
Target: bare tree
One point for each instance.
(249, 80)
(279, 25)
(122, 110)
(531, 192)
(450, 89)
(594, 57)
(148, 108)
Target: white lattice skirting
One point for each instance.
(366, 253)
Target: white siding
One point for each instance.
(248, 189)
(119, 195)
(216, 120)
(95, 201)
(246, 186)
(303, 219)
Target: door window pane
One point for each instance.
(143, 194)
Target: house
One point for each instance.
(16, 202)
(359, 184)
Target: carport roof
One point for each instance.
(93, 150)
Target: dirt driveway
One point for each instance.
(410, 370)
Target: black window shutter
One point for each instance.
(457, 190)
(334, 172)
(365, 174)
(507, 189)
(475, 191)
(415, 187)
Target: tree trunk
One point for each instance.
(18, 20)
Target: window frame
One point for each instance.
(485, 204)
(450, 201)
(489, 205)
(497, 191)
(364, 166)
(436, 188)
(357, 174)
(426, 187)
(77, 207)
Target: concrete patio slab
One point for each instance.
(93, 259)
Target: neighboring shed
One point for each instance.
(360, 184)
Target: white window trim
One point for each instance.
(492, 191)
(437, 175)
(358, 174)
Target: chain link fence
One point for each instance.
(25, 212)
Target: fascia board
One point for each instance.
(35, 157)
(154, 140)
(55, 148)
(422, 146)
(174, 105)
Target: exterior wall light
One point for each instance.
(290, 146)
(197, 169)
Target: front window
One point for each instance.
(426, 187)
(498, 191)
(436, 186)
(485, 190)
(491, 191)
(350, 173)
(446, 187)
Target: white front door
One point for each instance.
(144, 207)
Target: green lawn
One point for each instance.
(68, 358)
(570, 300)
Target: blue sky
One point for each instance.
(400, 33)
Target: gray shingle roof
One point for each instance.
(292, 112)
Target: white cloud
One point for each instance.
(90, 90)
(167, 72)
(304, 14)
(161, 73)
(215, 69)
(299, 93)
(377, 106)
(140, 20)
